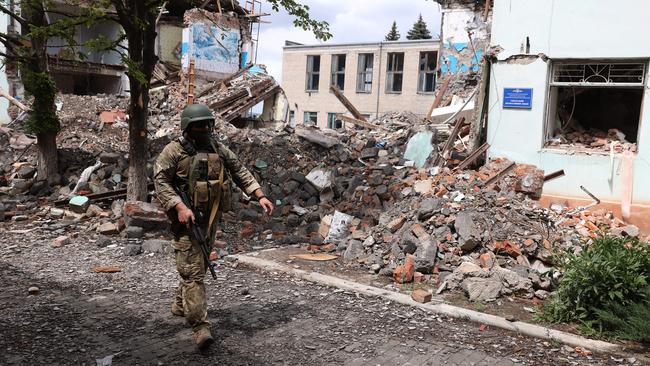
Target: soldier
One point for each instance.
(198, 164)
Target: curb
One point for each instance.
(528, 329)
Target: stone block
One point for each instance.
(60, 241)
(145, 215)
(156, 246)
(108, 228)
(421, 296)
(79, 204)
(132, 250)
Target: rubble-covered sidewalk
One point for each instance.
(57, 311)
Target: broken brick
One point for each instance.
(404, 273)
(421, 296)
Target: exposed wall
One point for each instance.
(169, 39)
(4, 117)
(59, 47)
(571, 29)
(213, 41)
(294, 71)
(465, 36)
(578, 29)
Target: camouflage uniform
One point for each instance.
(173, 163)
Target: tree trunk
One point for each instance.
(39, 83)
(138, 154)
(47, 157)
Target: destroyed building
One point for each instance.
(465, 37)
(559, 92)
(216, 36)
(375, 77)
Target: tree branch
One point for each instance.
(19, 19)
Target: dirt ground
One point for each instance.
(258, 318)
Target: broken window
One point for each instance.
(313, 73)
(311, 117)
(427, 75)
(338, 71)
(595, 106)
(333, 122)
(364, 73)
(395, 72)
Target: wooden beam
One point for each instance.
(359, 122)
(444, 153)
(190, 86)
(439, 96)
(499, 175)
(472, 157)
(350, 107)
(13, 100)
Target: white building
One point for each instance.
(4, 103)
(578, 61)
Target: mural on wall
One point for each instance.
(212, 48)
(459, 53)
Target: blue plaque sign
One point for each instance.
(520, 98)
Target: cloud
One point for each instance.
(350, 21)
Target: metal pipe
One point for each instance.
(381, 47)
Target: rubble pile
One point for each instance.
(612, 140)
(381, 197)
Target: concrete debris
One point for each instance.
(578, 138)
(372, 196)
(146, 215)
(79, 204)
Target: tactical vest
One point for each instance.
(207, 183)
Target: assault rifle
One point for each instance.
(197, 229)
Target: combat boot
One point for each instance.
(203, 338)
(177, 310)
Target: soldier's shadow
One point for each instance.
(244, 320)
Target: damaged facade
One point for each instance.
(374, 77)
(464, 37)
(580, 97)
(97, 72)
(219, 44)
(560, 92)
(217, 39)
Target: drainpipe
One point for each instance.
(381, 46)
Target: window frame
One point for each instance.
(424, 71)
(553, 84)
(331, 119)
(394, 67)
(311, 73)
(335, 71)
(310, 114)
(363, 72)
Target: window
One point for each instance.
(292, 116)
(311, 117)
(338, 71)
(313, 73)
(427, 75)
(333, 122)
(395, 72)
(594, 105)
(364, 73)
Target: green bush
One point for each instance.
(606, 288)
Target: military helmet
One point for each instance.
(194, 113)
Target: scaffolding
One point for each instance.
(254, 13)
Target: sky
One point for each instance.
(350, 21)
